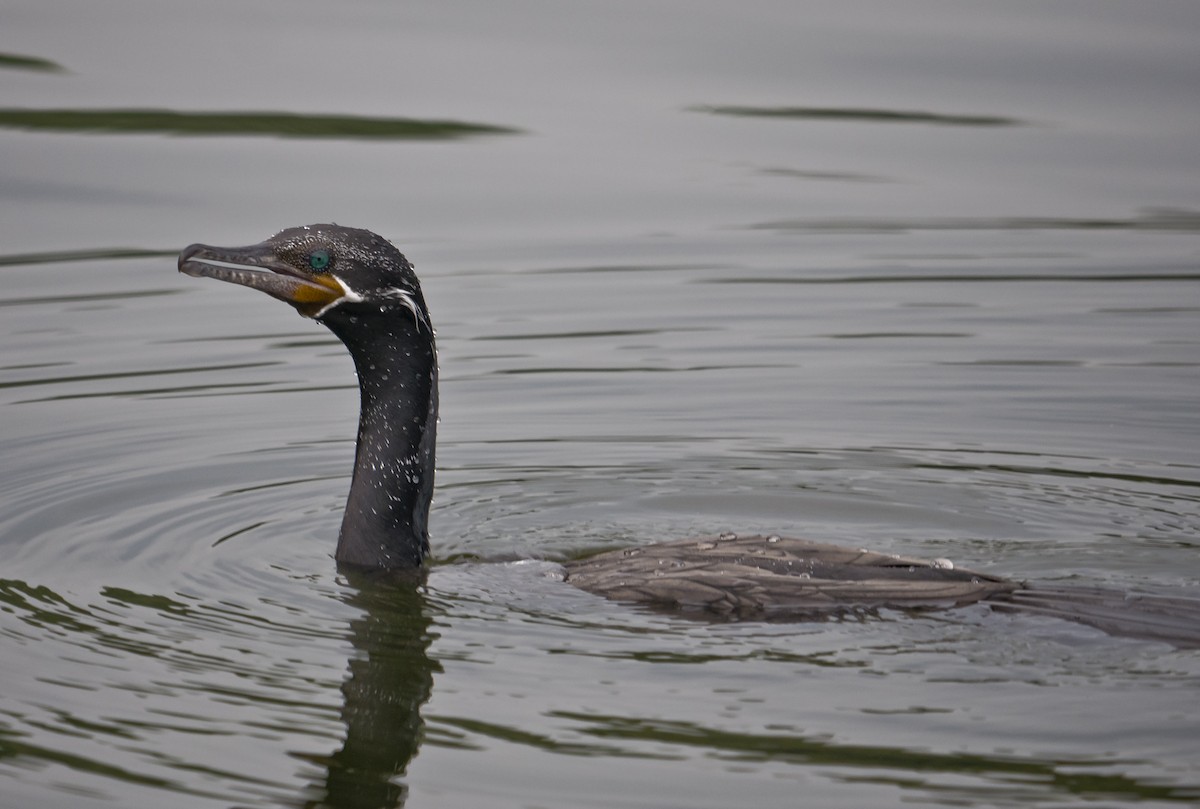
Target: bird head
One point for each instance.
(326, 272)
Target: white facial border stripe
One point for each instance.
(348, 296)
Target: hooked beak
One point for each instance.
(258, 267)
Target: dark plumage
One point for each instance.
(363, 290)
(360, 287)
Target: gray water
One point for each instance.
(920, 277)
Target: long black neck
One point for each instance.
(387, 513)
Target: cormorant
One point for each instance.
(364, 290)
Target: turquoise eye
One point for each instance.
(318, 259)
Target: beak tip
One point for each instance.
(187, 254)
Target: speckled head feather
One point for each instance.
(367, 265)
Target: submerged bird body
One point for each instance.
(777, 578)
(364, 290)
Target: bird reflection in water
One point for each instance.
(390, 677)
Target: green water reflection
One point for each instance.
(256, 124)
